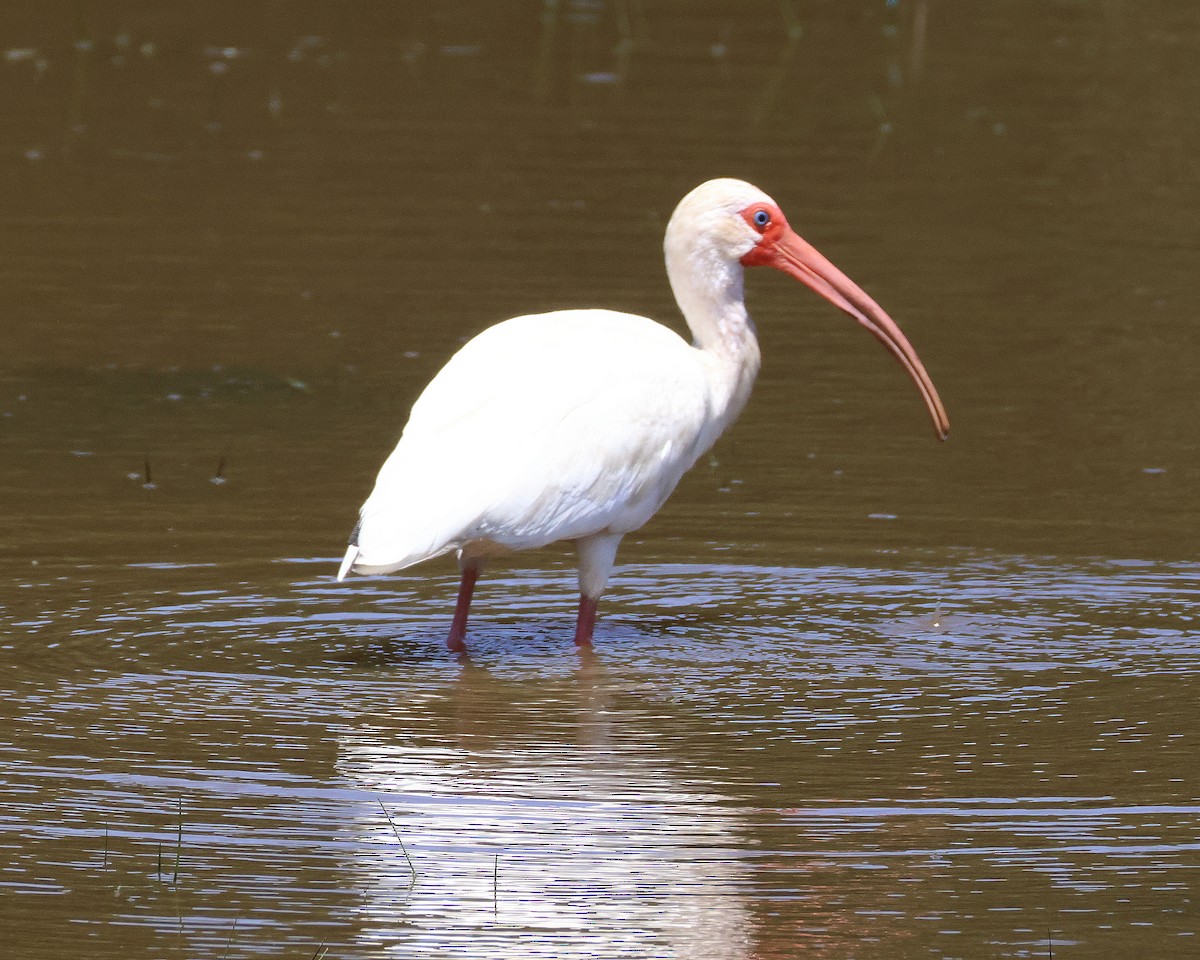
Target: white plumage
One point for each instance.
(502, 464)
(578, 424)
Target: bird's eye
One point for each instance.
(761, 218)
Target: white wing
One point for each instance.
(545, 427)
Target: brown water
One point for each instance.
(855, 694)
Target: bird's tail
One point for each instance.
(351, 552)
(348, 561)
(374, 560)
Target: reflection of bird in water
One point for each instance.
(539, 829)
(578, 424)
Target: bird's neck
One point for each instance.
(709, 291)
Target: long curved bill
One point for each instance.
(798, 258)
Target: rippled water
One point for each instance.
(967, 757)
(853, 693)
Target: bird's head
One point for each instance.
(729, 221)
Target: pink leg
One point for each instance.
(457, 641)
(586, 622)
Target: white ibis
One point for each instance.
(577, 424)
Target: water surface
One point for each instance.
(854, 693)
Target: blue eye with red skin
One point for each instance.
(765, 219)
